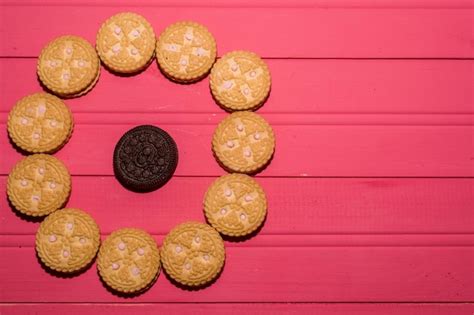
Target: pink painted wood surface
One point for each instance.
(234, 308)
(301, 150)
(377, 89)
(332, 207)
(275, 274)
(371, 194)
(296, 31)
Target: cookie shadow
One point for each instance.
(66, 97)
(194, 288)
(63, 275)
(29, 218)
(44, 87)
(240, 239)
(174, 80)
(27, 153)
(228, 170)
(23, 216)
(230, 110)
(17, 148)
(127, 295)
(126, 75)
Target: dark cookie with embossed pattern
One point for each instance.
(145, 158)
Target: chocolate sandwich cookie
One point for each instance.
(145, 158)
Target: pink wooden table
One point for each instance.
(371, 198)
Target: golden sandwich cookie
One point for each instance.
(38, 185)
(243, 142)
(235, 205)
(129, 260)
(68, 66)
(67, 240)
(126, 43)
(186, 51)
(40, 123)
(193, 254)
(240, 80)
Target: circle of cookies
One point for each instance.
(67, 240)
(40, 123)
(240, 80)
(38, 185)
(129, 260)
(235, 205)
(193, 254)
(68, 66)
(186, 51)
(126, 43)
(243, 142)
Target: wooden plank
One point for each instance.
(323, 88)
(334, 33)
(305, 240)
(453, 4)
(333, 240)
(274, 274)
(238, 308)
(297, 206)
(339, 150)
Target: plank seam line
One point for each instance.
(317, 4)
(316, 234)
(290, 124)
(275, 118)
(302, 176)
(320, 5)
(467, 302)
(293, 246)
(312, 58)
(267, 113)
(19, 241)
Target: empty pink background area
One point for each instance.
(371, 189)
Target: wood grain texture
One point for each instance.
(306, 206)
(334, 33)
(275, 274)
(404, 4)
(388, 91)
(349, 151)
(371, 190)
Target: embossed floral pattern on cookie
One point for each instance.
(68, 65)
(235, 205)
(40, 123)
(193, 254)
(38, 185)
(67, 240)
(240, 80)
(186, 51)
(129, 260)
(243, 142)
(126, 42)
